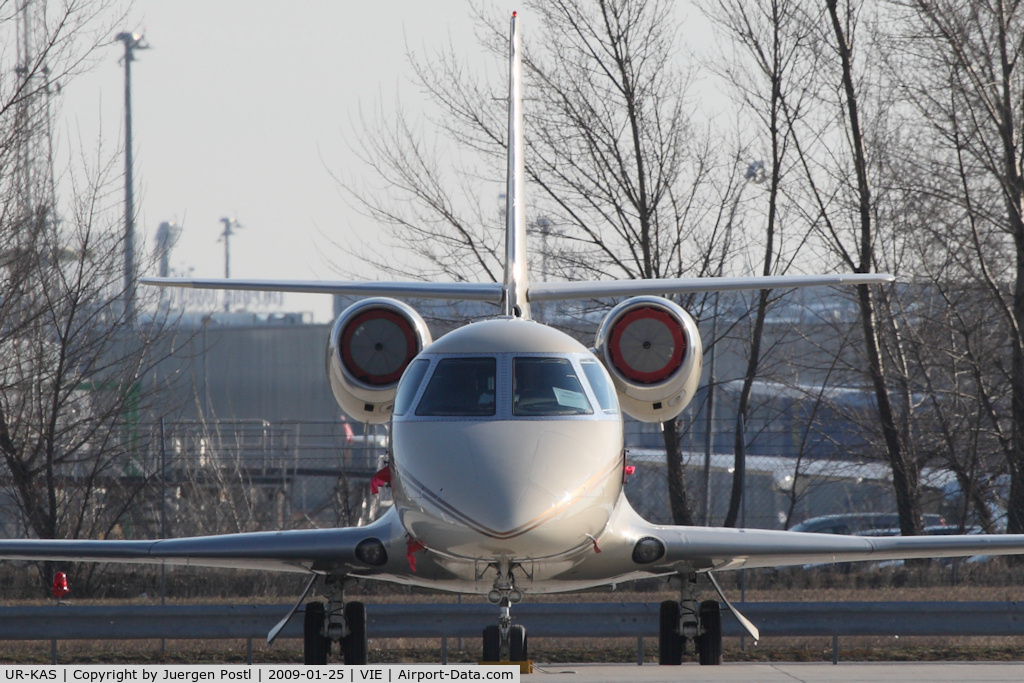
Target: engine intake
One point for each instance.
(653, 352)
(371, 344)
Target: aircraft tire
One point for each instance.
(492, 644)
(316, 648)
(670, 641)
(709, 643)
(517, 644)
(353, 646)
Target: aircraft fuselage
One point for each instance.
(507, 444)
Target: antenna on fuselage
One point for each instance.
(513, 302)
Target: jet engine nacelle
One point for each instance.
(652, 350)
(371, 344)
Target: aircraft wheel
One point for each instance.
(517, 644)
(353, 646)
(492, 644)
(315, 646)
(670, 641)
(709, 643)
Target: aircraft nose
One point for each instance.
(506, 480)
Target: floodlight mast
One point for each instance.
(132, 42)
(229, 223)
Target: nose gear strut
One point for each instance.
(505, 642)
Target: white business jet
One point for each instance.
(506, 458)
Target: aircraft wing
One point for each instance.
(484, 291)
(720, 549)
(304, 550)
(713, 549)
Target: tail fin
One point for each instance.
(516, 283)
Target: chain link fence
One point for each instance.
(782, 487)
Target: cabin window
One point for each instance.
(545, 387)
(409, 385)
(460, 387)
(602, 386)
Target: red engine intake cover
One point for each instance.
(647, 345)
(377, 345)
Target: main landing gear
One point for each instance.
(505, 642)
(336, 622)
(689, 622)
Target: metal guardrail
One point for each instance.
(581, 620)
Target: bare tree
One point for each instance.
(968, 92)
(219, 481)
(70, 389)
(838, 156)
(773, 38)
(71, 360)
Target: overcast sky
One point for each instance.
(243, 108)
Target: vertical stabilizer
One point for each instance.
(516, 279)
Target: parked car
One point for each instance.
(862, 523)
(941, 530)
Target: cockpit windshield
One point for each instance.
(460, 387)
(409, 385)
(547, 386)
(602, 386)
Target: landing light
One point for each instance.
(371, 551)
(647, 550)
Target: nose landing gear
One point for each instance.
(505, 642)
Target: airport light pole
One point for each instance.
(229, 225)
(132, 42)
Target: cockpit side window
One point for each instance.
(409, 385)
(602, 386)
(545, 387)
(460, 387)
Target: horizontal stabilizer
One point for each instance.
(545, 291)
(469, 291)
(553, 291)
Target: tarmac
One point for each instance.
(874, 672)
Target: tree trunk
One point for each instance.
(905, 471)
(680, 503)
(743, 407)
(1015, 461)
